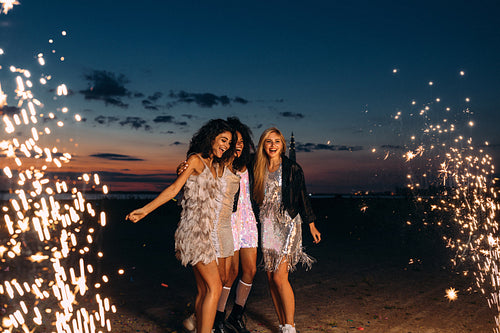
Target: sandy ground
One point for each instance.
(363, 281)
(375, 272)
(348, 294)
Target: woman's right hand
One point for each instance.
(182, 167)
(136, 215)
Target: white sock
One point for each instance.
(242, 292)
(221, 306)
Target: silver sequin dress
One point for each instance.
(281, 236)
(193, 242)
(222, 234)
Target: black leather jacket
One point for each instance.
(294, 197)
(293, 191)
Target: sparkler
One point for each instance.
(454, 177)
(48, 224)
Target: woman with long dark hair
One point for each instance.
(279, 190)
(194, 243)
(245, 234)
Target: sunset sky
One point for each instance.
(146, 75)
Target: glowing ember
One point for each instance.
(451, 294)
(8, 5)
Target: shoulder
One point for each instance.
(291, 165)
(195, 162)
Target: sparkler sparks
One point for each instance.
(454, 178)
(49, 226)
(451, 294)
(8, 5)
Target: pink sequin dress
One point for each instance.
(243, 221)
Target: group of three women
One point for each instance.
(225, 188)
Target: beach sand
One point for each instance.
(374, 273)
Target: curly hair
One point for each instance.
(202, 140)
(248, 146)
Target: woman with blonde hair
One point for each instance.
(279, 190)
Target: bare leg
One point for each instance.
(285, 291)
(208, 278)
(202, 291)
(224, 267)
(248, 264)
(233, 271)
(248, 259)
(276, 298)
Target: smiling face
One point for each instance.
(239, 145)
(221, 143)
(273, 145)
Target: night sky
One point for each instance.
(146, 75)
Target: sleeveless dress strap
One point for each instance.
(199, 158)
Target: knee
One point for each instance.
(250, 272)
(280, 280)
(215, 288)
(225, 277)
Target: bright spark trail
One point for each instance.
(48, 228)
(454, 177)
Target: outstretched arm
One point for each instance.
(195, 166)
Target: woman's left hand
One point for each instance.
(315, 233)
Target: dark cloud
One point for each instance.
(148, 105)
(9, 110)
(176, 143)
(292, 115)
(164, 119)
(170, 120)
(138, 95)
(105, 120)
(116, 157)
(150, 102)
(136, 123)
(309, 147)
(188, 116)
(107, 87)
(156, 96)
(204, 100)
(240, 100)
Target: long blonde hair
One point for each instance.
(262, 163)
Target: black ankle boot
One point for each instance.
(235, 319)
(220, 323)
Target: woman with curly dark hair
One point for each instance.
(194, 242)
(245, 234)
